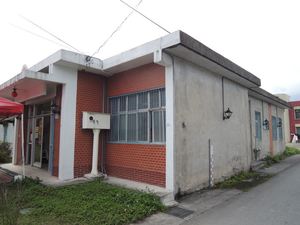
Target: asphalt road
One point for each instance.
(276, 202)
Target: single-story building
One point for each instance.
(180, 114)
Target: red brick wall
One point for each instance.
(144, 163)
(89, 98)
(293, 121)
(57, 133)
(142, 78)
(138, 162)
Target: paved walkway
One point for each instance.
(275, 202)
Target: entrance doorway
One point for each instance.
(38, 135)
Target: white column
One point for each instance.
(15, 142)
(167, 61)
(94, 171)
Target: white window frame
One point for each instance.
(150, 130)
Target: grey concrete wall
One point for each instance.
(198, 118)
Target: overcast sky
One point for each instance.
(262, 36)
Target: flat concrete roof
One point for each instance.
(195, 45)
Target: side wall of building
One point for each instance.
(199, 118)
(139, 162)
(265, 144)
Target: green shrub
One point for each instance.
(289, 151)
(5, 152)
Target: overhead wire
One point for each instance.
(51, 34)
(116, 30)
(37, 35)
(146, 17)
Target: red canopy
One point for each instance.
(10, 108)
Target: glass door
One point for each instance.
(38, 141)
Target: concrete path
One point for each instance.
(275, 202)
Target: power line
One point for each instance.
(53, 35)
(145, 16)
(37, 35)
(116, 30)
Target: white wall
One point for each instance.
(67, 76)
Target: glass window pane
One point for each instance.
(258, 126)
(132, 102)
(114, 105)
(143, 100)
(156, 126)
(163, 97)
(122, 103)
(114, 128)
(131, 127)
(297, 130)
(122, 127)
(143, 126)
(297, 113)
(154, 99)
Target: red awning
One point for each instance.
(10, 108)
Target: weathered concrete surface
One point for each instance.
(198, 117)
(275, 202)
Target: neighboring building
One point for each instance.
(167, 100)
(294, 118)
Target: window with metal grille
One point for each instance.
(258, 126)
(139, 118)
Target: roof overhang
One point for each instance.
(265, 96)
(29, 85)
(183, 46)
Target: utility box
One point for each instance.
(94, 120)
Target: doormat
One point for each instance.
(179, 212)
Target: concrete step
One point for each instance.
(257, 165)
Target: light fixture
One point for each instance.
(279, 124)
(266, 124)
(227, 114)
(14, 93)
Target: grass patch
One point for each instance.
(289, 151)
(244, 180)
(89, 203)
